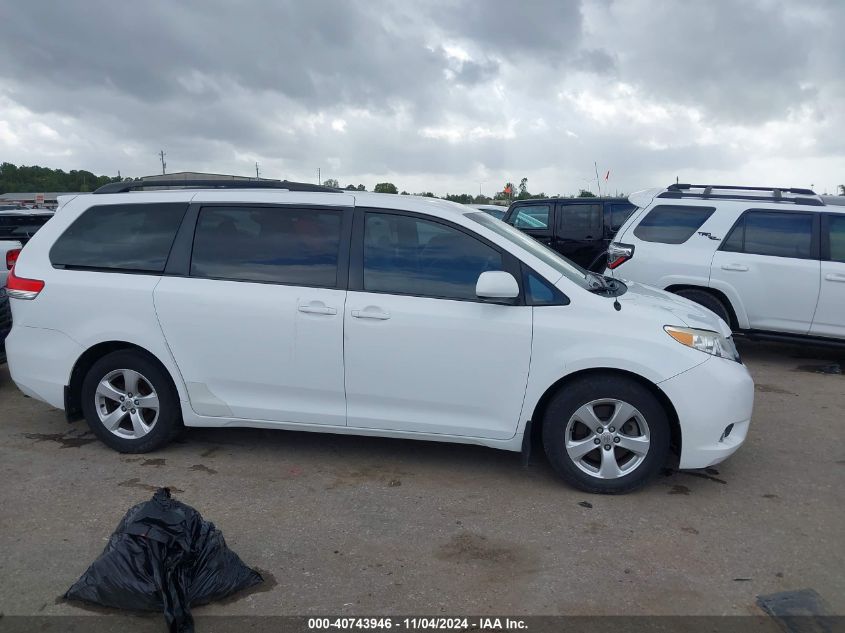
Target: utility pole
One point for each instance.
(161, 155)
(598, 184)
(257, 176)
(319, 181)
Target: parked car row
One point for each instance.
(367, 314)
(769, 262)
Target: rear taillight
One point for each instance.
(20, 288)
(618, 254)
(12, 257)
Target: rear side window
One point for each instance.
(127, 237)
(772, 233)
(836, 233)
(407, 255)
(268, 244)
(580, 221)
(20, 226)
(535, 216)
(671, 224)
(620, 212)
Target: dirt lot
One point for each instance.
(344, 525)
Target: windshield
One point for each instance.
(568, 269)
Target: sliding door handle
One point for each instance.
(371, 312)
(740, 268)
(835, 277)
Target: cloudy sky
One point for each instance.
(441, 95)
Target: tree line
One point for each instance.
(15, 179)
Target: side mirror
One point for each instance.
(496, 284)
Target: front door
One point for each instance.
(771, 259)
(256, 328)
(423, 353)
(830, 313)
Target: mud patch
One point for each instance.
(585, 504)
(65, 440)
(368, 474)
(770, 495)
(209, 452)
(689, 530)
(203, 468)
(468, 547)
(158, 461)
(679, 490)
(771, 389)
(135, 482)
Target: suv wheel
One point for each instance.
(606, 434)
(709, 301)
(130, 403)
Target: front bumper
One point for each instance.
(710, 399)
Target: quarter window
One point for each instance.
(535, 216)
(772, 233)
(127, 237)
(268, 244)
(580, 221)
(407, 255)
(619, 213)
(672, 224)
(836, 228)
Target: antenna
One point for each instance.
(161, 155)
(598, 184)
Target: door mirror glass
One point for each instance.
(496, 284)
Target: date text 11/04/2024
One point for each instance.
(419, 623)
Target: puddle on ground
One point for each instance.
(831, 369)
(66, 440)
(203, 468)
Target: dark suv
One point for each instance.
(578, 228)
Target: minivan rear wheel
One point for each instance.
(130, 402)
(606, 433)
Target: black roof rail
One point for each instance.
(812, 202)
(131, 185)
(686, 187)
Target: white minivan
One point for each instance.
(281, 305)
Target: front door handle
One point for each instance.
(371, 312)
(835, 277)
(316, 307)
(740, 268)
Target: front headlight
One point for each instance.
(704, 341)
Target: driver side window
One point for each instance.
(411, 256)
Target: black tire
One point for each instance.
(166, 425)
(709, 301)
(574, 395)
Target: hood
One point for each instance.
(680, 311)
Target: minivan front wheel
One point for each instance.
(606, 434)
(130, 403)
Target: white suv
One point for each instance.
(278, 305)
(770, 262)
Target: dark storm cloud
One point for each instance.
(434, 93)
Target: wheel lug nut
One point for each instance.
(612, 429)
(599, 430)
(129, 394)
(616, 440)
(597, 441)
(133, 411)
(136, 402)
(607, 447)
(122, 398)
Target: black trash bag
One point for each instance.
(164, 557)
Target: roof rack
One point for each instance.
(680, 190)
(131, 185)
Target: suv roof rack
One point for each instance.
(131, 185)
(800, 196)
